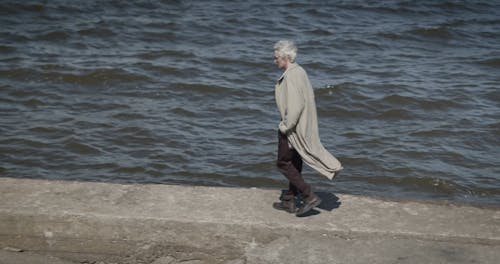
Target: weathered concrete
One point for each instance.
(87, 222)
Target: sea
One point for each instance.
(182, 92)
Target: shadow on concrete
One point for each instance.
(329, 201)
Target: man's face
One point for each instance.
(280, 62)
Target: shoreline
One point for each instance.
(389, 198)
(128, 223)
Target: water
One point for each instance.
(181, 92)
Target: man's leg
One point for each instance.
(297, 163)
(290, 164)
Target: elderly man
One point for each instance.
(298, 138)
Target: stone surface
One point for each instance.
(165, 260)
(10, 257)
(89, 222)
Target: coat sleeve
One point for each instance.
(295, 102)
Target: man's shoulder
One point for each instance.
(297, 70)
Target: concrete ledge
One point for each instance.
(114, 223)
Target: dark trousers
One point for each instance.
(290, 164)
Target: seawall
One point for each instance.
(87, 222)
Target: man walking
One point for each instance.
(298, 135)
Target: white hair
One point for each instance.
(286, 48)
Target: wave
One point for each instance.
(163, 25)
(352, 135)
(51, 131)
(32, 102)
(53, 36)
(129, 116)
(495, 125)
(183, 112)
(19, 144)
(202, 88)
(4, 49)
(93, 77)
(396, 114)
(319, 32)
(341, 112)
(158, 36)
(235, 62)
(437, 104)
(431, 133)
(28, 97)
(440, 32)
(96, 32)
(345, 90)
(317, 13)
(358, 43)
(130, 170)
(133, 137)
(98, 106)
(423, 103)
(15, 8)
(396, 99)
(443, 186)
(163, 70)
(440, 186)
(12, 105)
(96, 77)
(21, 74)
(459, 6)
(492, 62)
(208, 90)
(399, 8)
(352, 103)
(318, 66)
(391, 35)
(76, 146)
(158, 54)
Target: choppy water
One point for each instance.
(408, 92)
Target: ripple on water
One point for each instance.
(76, 146)
(52, 131)
(492, 62)
(6, 49)
(97, 32)
(56, 35)
(396, 114)
(129, 116)
(440, 32)
(102, 76)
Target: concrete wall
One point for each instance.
(112, 223)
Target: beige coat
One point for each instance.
(295, 99)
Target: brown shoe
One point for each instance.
(287, 204)
(309, 203)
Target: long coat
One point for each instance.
(295, 99)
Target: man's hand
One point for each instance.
(283, 129)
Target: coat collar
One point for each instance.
(291, 66)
